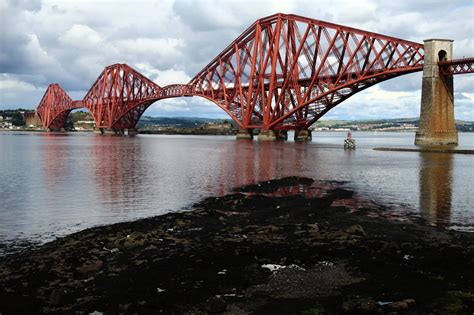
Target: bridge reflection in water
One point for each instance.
(122, 177)
(436, 187)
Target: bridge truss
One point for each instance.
(456, 66)
(284, 72)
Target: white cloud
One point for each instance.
(37, 55)
(7, 83)
(163, 77)
(171, 105)
(464, 83)
(464, 107)
(10, 87)
(186, 107)
(377, 103)
(463, 48)
(164, 52)
(80, 36)
(172, 76)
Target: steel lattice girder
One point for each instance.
(54, 107)
(116, 98)
(286, 71)
(457, 66)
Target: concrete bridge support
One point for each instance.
(437, 126)
(55, 129)
(130, 132)
(106, 131)
(244, 134)
(303, 135)
(117, 132)
(271, 135)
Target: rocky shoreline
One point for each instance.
(288, 246)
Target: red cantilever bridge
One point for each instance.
(283, 73)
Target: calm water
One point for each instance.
(51, 185)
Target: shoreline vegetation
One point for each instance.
(285, 246)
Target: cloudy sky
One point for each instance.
(70, 42)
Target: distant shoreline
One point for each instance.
(427, 149)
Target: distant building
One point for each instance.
(6, 125)
(218, 126)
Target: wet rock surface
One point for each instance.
(262, 250)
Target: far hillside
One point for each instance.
(394, 124)
(83, 120)
(183, 122)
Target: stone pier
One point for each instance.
(303, 135)
(130, 132)
(107, 131)
(116, 132)
(271, 135)
(437, 125)
(244, 134)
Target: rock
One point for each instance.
(235, 310)
(356, 230)
(410, 302)
(349, 306)
(313, 228)
(140, 262)
(367, 306)
(56, 296)
(180, 223)
(338, 235)
(90, 267)
(134, 242)
(215, 304)
(340, 193)
(397, 306)
(359, 306)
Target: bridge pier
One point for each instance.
(272, 135)
(437, 125)
(303, 135)
(116, 132)
(244, 134)
(107, 131)
(55, 129)
(130, 132)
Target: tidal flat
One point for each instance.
(268, 248)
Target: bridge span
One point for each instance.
(283, 73)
